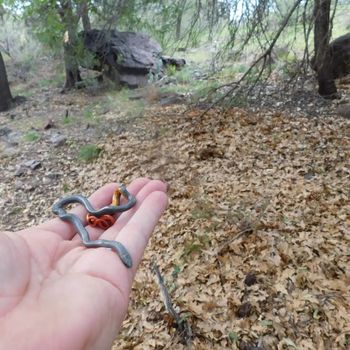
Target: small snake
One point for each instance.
(58, 209)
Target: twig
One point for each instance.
(234, 85)
(181, 324)
(238, 236)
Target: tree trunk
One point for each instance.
(71, 67)
(178, 26)
(212, 16)
(180, 12)
(85, 16)
(5, 93)
(322, 33)
(70, 22)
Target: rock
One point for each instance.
(171, 61)
(46, 181)
(171, 100)
(53, 176)
(5, 131)
(9, 140)
(20, 171)
(344, 110)
(10, 136)
(250, 279)
(24, 186)
(309, 175)
(49, 124)
(58, 139)
(132, 58)
(32, 164)
(338, 66)
(8, 150)
(250, 346)
(244, 310)
(340, 56)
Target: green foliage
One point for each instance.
(184, 76)
(48, 25)
(202, 210)
(176, 271)
(68, 120)
(65, 187)
(32, 136)
(123, 106)
(21, 48)
(233, 336)
(16, 210)
(171, 70)
(266, 323)
(192, 248)
(55, 81)
(88, 114)
(89, 153)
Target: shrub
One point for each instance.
(89, 153)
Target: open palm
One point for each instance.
(57, 294)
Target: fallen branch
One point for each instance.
(182, 325)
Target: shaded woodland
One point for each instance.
(242, 108)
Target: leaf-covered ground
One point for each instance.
(255, 245)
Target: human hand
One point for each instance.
(57, 294)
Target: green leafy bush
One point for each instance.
(32, 136)
(89, 153)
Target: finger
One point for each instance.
(98, 199)
(152, 186)
(136, 233)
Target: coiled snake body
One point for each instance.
(102, 218)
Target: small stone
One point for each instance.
(244, 310)
(20, 171)
(172, 99)
(5, 131)
(250, 346)
(53, 176)
(24, 186)
(32, 164)
(309, 175)
(46, 181)
(58, 140)
(49, 124)
(19, 185)
(344, 110)
(250, 279)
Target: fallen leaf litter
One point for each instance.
(254, 247)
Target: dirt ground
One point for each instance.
(254, 247)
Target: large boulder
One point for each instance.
(128, 58)
(337, 67)
(340, 56)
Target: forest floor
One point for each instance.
(254, 247)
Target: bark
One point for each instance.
(212, 16)
(71, 67)
(322, 33)
(178, 26)
(84, 10)
(5, 93)
(70, 21)
(180, 13)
